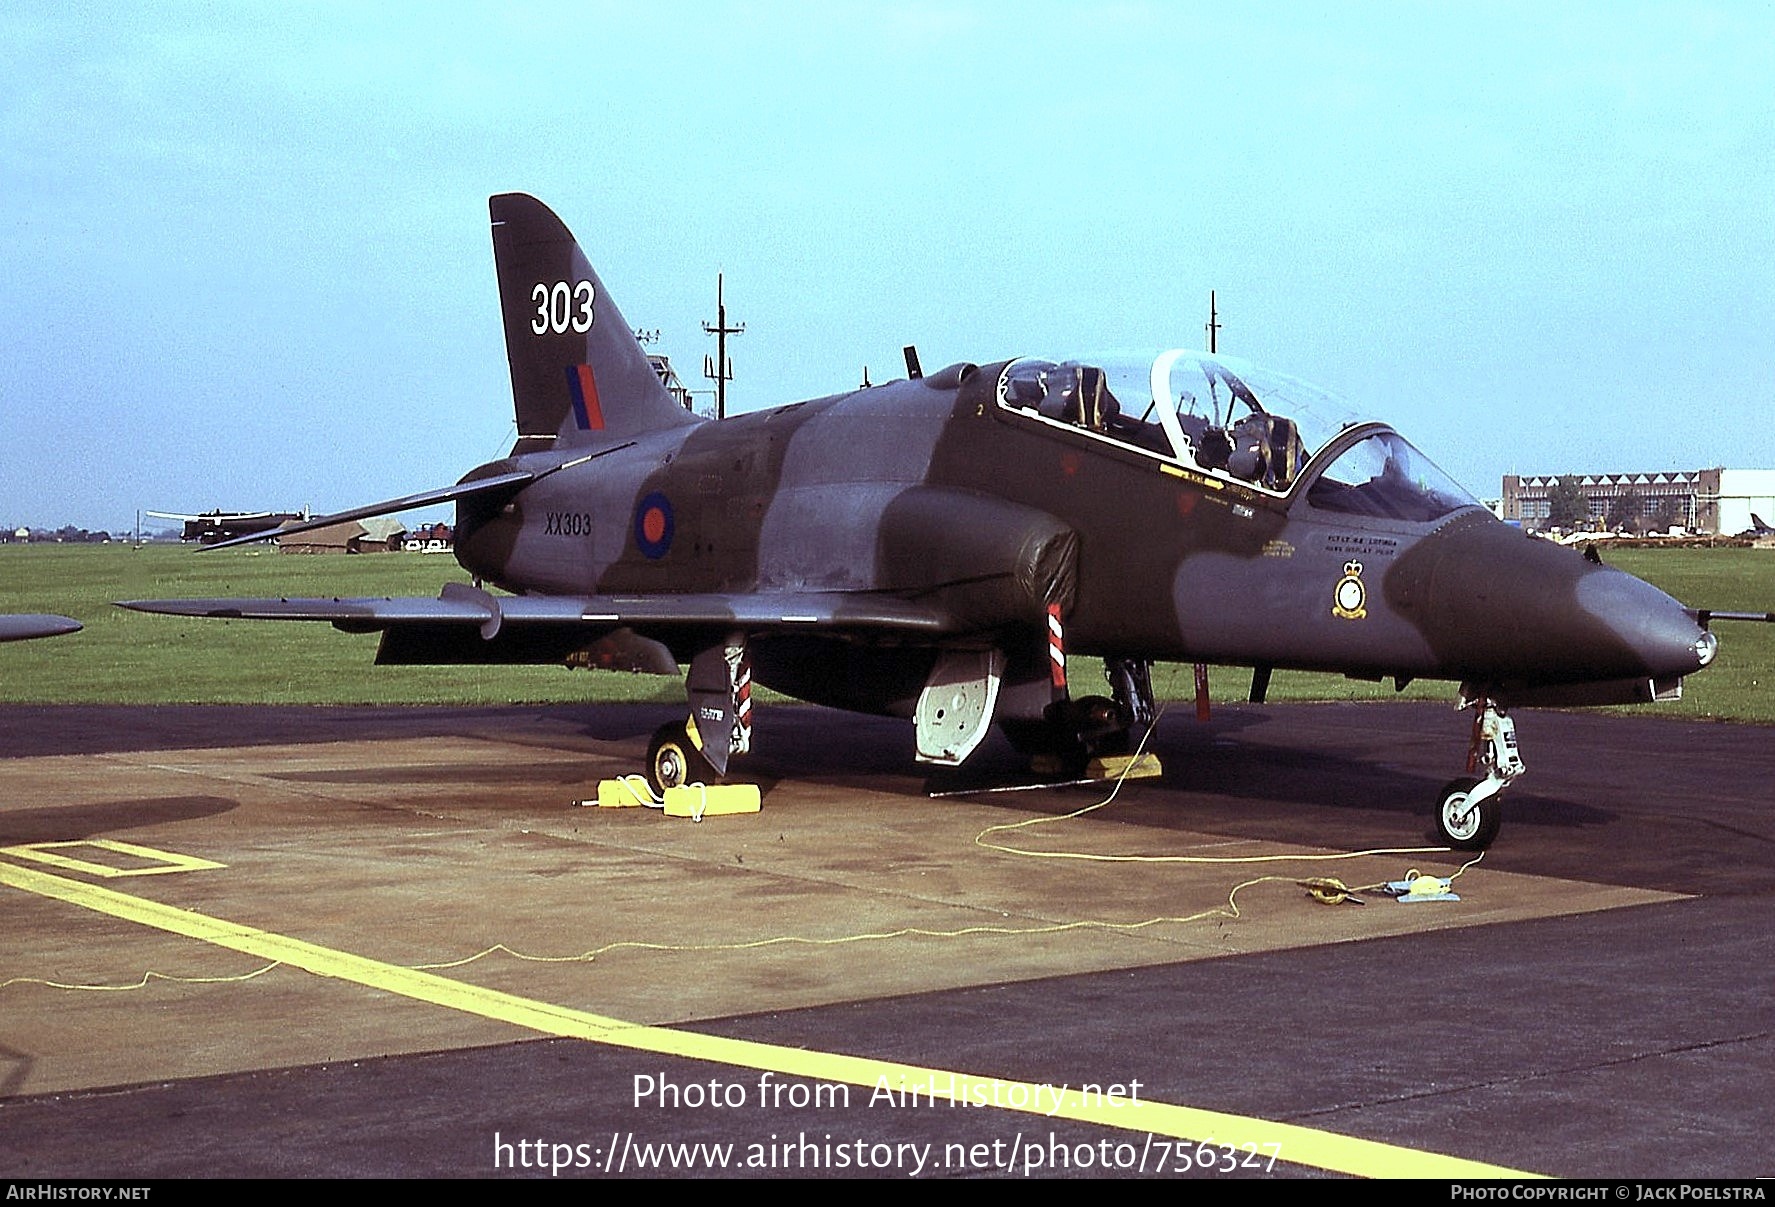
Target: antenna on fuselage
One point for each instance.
(913, 372)
(1213, 325)
(719, 369)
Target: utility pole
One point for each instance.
(719, 369)
(1201, 668)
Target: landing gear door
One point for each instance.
(720, 690)
(955, 709)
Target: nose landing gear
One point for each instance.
(1468, 814)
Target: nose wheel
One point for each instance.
(1468, 814)
(1464, 822)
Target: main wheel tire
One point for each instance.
(1464, 826)
(673, 762)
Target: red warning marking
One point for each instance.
(1056, 648)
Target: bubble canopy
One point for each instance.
(1231, 419)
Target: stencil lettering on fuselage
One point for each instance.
(568, 523)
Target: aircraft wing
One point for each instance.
(26, 626)
(464, 605)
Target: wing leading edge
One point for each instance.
(466, 624)
(462, 604)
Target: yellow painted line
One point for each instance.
(163, 861)
(1292, 1144)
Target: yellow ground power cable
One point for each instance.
(143, 981)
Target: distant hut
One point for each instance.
(379, 535)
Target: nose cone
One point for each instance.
(1663, 638)
(1500, 607)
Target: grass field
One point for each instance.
(130, 658)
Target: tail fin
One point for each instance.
(579, 376)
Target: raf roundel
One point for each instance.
(654, 526)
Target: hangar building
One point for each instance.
(1719, 502)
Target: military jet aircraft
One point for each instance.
(944, 548)
(25, 626)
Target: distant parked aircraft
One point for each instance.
(212, 527)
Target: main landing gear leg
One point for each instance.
(696, 749)
(1468, 815)
(1131, 683)
(1062, 734)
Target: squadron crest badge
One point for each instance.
(1349, 598)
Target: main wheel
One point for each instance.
(1073, 732)
(672, 761)
(1052, 750)
(1463, 825)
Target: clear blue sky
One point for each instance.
(246, 258)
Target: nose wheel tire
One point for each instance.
(673, 762)
(1462, 824)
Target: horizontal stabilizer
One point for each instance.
(425, 498)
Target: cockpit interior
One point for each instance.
(1231, 420)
